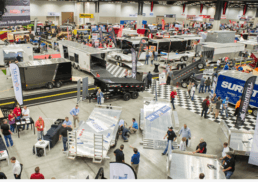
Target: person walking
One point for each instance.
(17, 168)
(205, 106)
(193, 91)
(7, 133)
(229, 165)
(213, 104)
(99, 96)
(208, 84)
(202, 84)
(75, 113)
(147, 58)
(225, 107)
(218, 104)
(183, 144)
(63, 133)
(40, 128)
(11, 119)
(172, 97)
(185, 132)
(120, 154)
(169, 76)
(171, 136)
(149, 79)
(201, 147)
(155, 55)
(135, 160)
(189, 87)
(37, 174)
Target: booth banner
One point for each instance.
(15, 12)
(121, 171)
(134, 63)
(245, 99)
(94, 36)
(253, 158)
(112, 34)
(142, 45)
(16, 79)
(84, 15)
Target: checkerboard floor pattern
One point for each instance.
(195, 106)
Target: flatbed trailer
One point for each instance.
(113, 87)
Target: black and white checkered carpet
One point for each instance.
(195, 106)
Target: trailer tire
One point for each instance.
(134, 95)
(182, 59)
(119, 58)
(115, 57)
(186, 58)
(50, 85)
(255, 112)
(78, 68)
(184, 84)
(58, 84)
(196, 55)
(74, 66)
(127, 96)
(200, 66)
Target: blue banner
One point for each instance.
(158, 113)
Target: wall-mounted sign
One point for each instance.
(84, 15)
(53, 14)
(170, 16)
(223, 17)
(205, 16)
(136, 14)
(151, 14)
(190, 17)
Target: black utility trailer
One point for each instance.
(45, 73)
(113, 87)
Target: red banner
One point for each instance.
(205, 16)
(201, 8)
(163, 24)
(245, 8)
(225, 7)
(151, 6)
(183, 8)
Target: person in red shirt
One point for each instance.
(205, 106)
(37, 175)
(40, 127)
(17, 112)
(172, 97)
(97, 75)
(11, 119)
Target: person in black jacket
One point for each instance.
(201, 148)
(2, 176)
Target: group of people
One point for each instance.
(125, 132)
(152, 55)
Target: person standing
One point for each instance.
(229, 165)
(185, 132)
(208, 84)
(97, 75)
(25, 115)
(183, 144)
(237, 107)
(134, 127)
(67, 122)
(202, 84)
(11, 119)
(99, 96)
(201, 147)
(17, 168)
(75, 113)
(152, 57)
(172, 98)
(218, 64)
(63, 133)
(120, 154)
(218, 104)
(189, 87)
(135, 160)
(225, 107)
(205, 106)
(17, 112)
(225, 150)
(149, 79)
(192, 91)
(147, 58)
(169, 76)
(155, 55)
(213, 104)
(40, 128)
(171, 136)
(7, 133)
(37, 174)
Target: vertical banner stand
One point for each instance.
(78, 91)
(85, 88)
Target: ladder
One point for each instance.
(98, 149)
(72, 144)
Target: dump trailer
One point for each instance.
(113, 87)
(45, 73)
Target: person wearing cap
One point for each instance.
(201, 147)
(171, 136)
(40, 128)
(225, 106)
(228, 165)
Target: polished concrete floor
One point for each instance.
(152, 165)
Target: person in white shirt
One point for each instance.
(225, 150)
(25, 115)
(17, 168)
(192, 91)
(183, 144)
(218, 64)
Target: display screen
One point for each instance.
(15, 12)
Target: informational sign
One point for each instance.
(121, 171)
(94, 36)
(158, 113)
(96, 125)
(162, 78)
(170, 16)
(152, 48)
(53, 14)
(223, 17)
(84, 15)
(253, 158)
(16, 79)
(133, 15)
(15, 12)
(190, 17)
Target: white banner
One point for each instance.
(162, 78)
(253, 158)
(16, 79)
(121, 171)
(53, 14)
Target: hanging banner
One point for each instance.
(254, 151)
(15, 72)
(134, 63)
(112, 34)
(15, 12)
(121, 171)
(245, 99)
(163, 24)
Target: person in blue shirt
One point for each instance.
(135, 160)
(185, 132)
(147, 58)
(134, 127)
(226, 67)
(75, 113)
(225, 106)
(240, 68)
(67, 122)
(99, 96)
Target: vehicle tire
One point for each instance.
(254, 112)
(119, 58)
(103, 55)
(196, 55)
(184, 84)
(74, 66)
(116, 57)
(200, 66)
(186, 58)
(134, 95)
(50, 85)
(127, 96)
(58, 84)
(78, 68)
(182, 59)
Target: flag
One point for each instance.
(112, 34)
(16, 79)
(163, 24)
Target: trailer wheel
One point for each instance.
(200, 66)
(58, 84)
(119, 58)
(115, 57)
(254, 112)
(74, 66)
(196, 55)
(186, 58)
(50, 85)
(182, 59)
(78, 68)
(134, 95)
(127, 96)
(184, 84)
